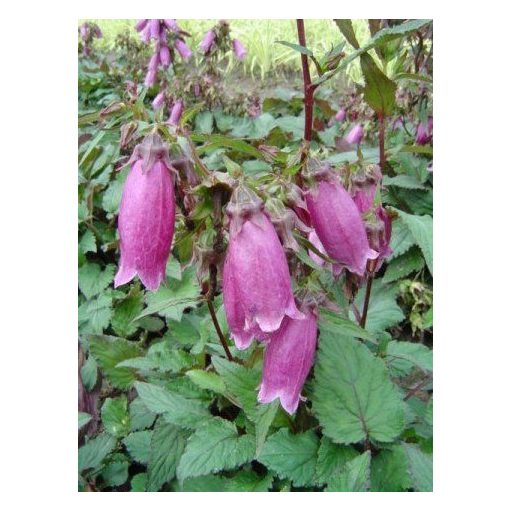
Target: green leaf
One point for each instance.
(166, 449)
(170, 301)
(420, 467)
(113, 194)
(403, 181)
(336, 324)
(207, 381)
(125, 312)
(138, 444)
(409, 262)
(355, 476)
(83, 419)
(92, 281)
(345, 26)
(331, 459)
(139, 415)
(421, 230)
(390, 471)
(291, 456)
(115, 417)
(89, 373)
(379, 91)
(355, 399)
(215, 141)
(88, 242)
(402, 356)
(204, 123)
(115, 472)
(139, 482)
(108, 352)
(401, 239)
(208, 483)
(91, 454)
(296, 47)
(94, 315)
(214, 447)
(383, 310)
(174, 408)
(248, 481)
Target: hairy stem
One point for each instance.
(308, 90)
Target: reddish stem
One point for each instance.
(308, 90)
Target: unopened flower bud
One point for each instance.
(208, 41)
(355, 135)
(239, 49)
(183, 49)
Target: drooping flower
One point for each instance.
(141, 24)
(338, 222)
(183, 49)
(159, 100)
(175, 113)
(355, 134)
(208, 41)
(288, 358)
(364, 187)
(424, 132)
(239, 49)
(257, 288)
(150, 78)
(378, 228)
(146, 215)
(172, 25)
(164, 55)
(340, 115)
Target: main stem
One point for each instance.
(308, 90)
(371, 263)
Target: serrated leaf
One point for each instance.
(108, 352)
(355, 476)
(115, 472)
(139, 482)
(420, 465)
(123, 317)
(207, 380)
(115, 417)
(383, 310)
(379, 91)
(421, 230)
(83, 419)
(291, 456)
(91, 454)
(88, 242)
(334, 323)
(208, 483)
(402, 356)
(214, 447)
(409, 262)
(401, 239)
(175, 408)
(166, 449)
(138, 444)
(94, 315)
(390, 471)
(248, 481)
(89, 373)
(139, 415)
(403, 181)
(92, 280)
(170, 301)
(331, 459)
(355, 399)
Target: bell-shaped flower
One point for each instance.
(208, 41)
(175, 113)
(141, 24)
(172, 25)
(239, 49)
(155, 28)
(378, 226)
(159, 100)
(164, 55)
(424, 132)
(183, 49)
(340, 115)
(288, 359)
(365, 183)
(257, 289)
(146, 215)
(338, 222)
(355, 135)
(150, 78)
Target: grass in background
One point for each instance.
(265, 56)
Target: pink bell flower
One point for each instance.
(257, 290)
(288, 359)
(175, 113)
(338, 222)
(183, 49)
(207, 42)
(239, 49)
(355, 135)
(146, 215)
(159, 100)
(340, 115)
